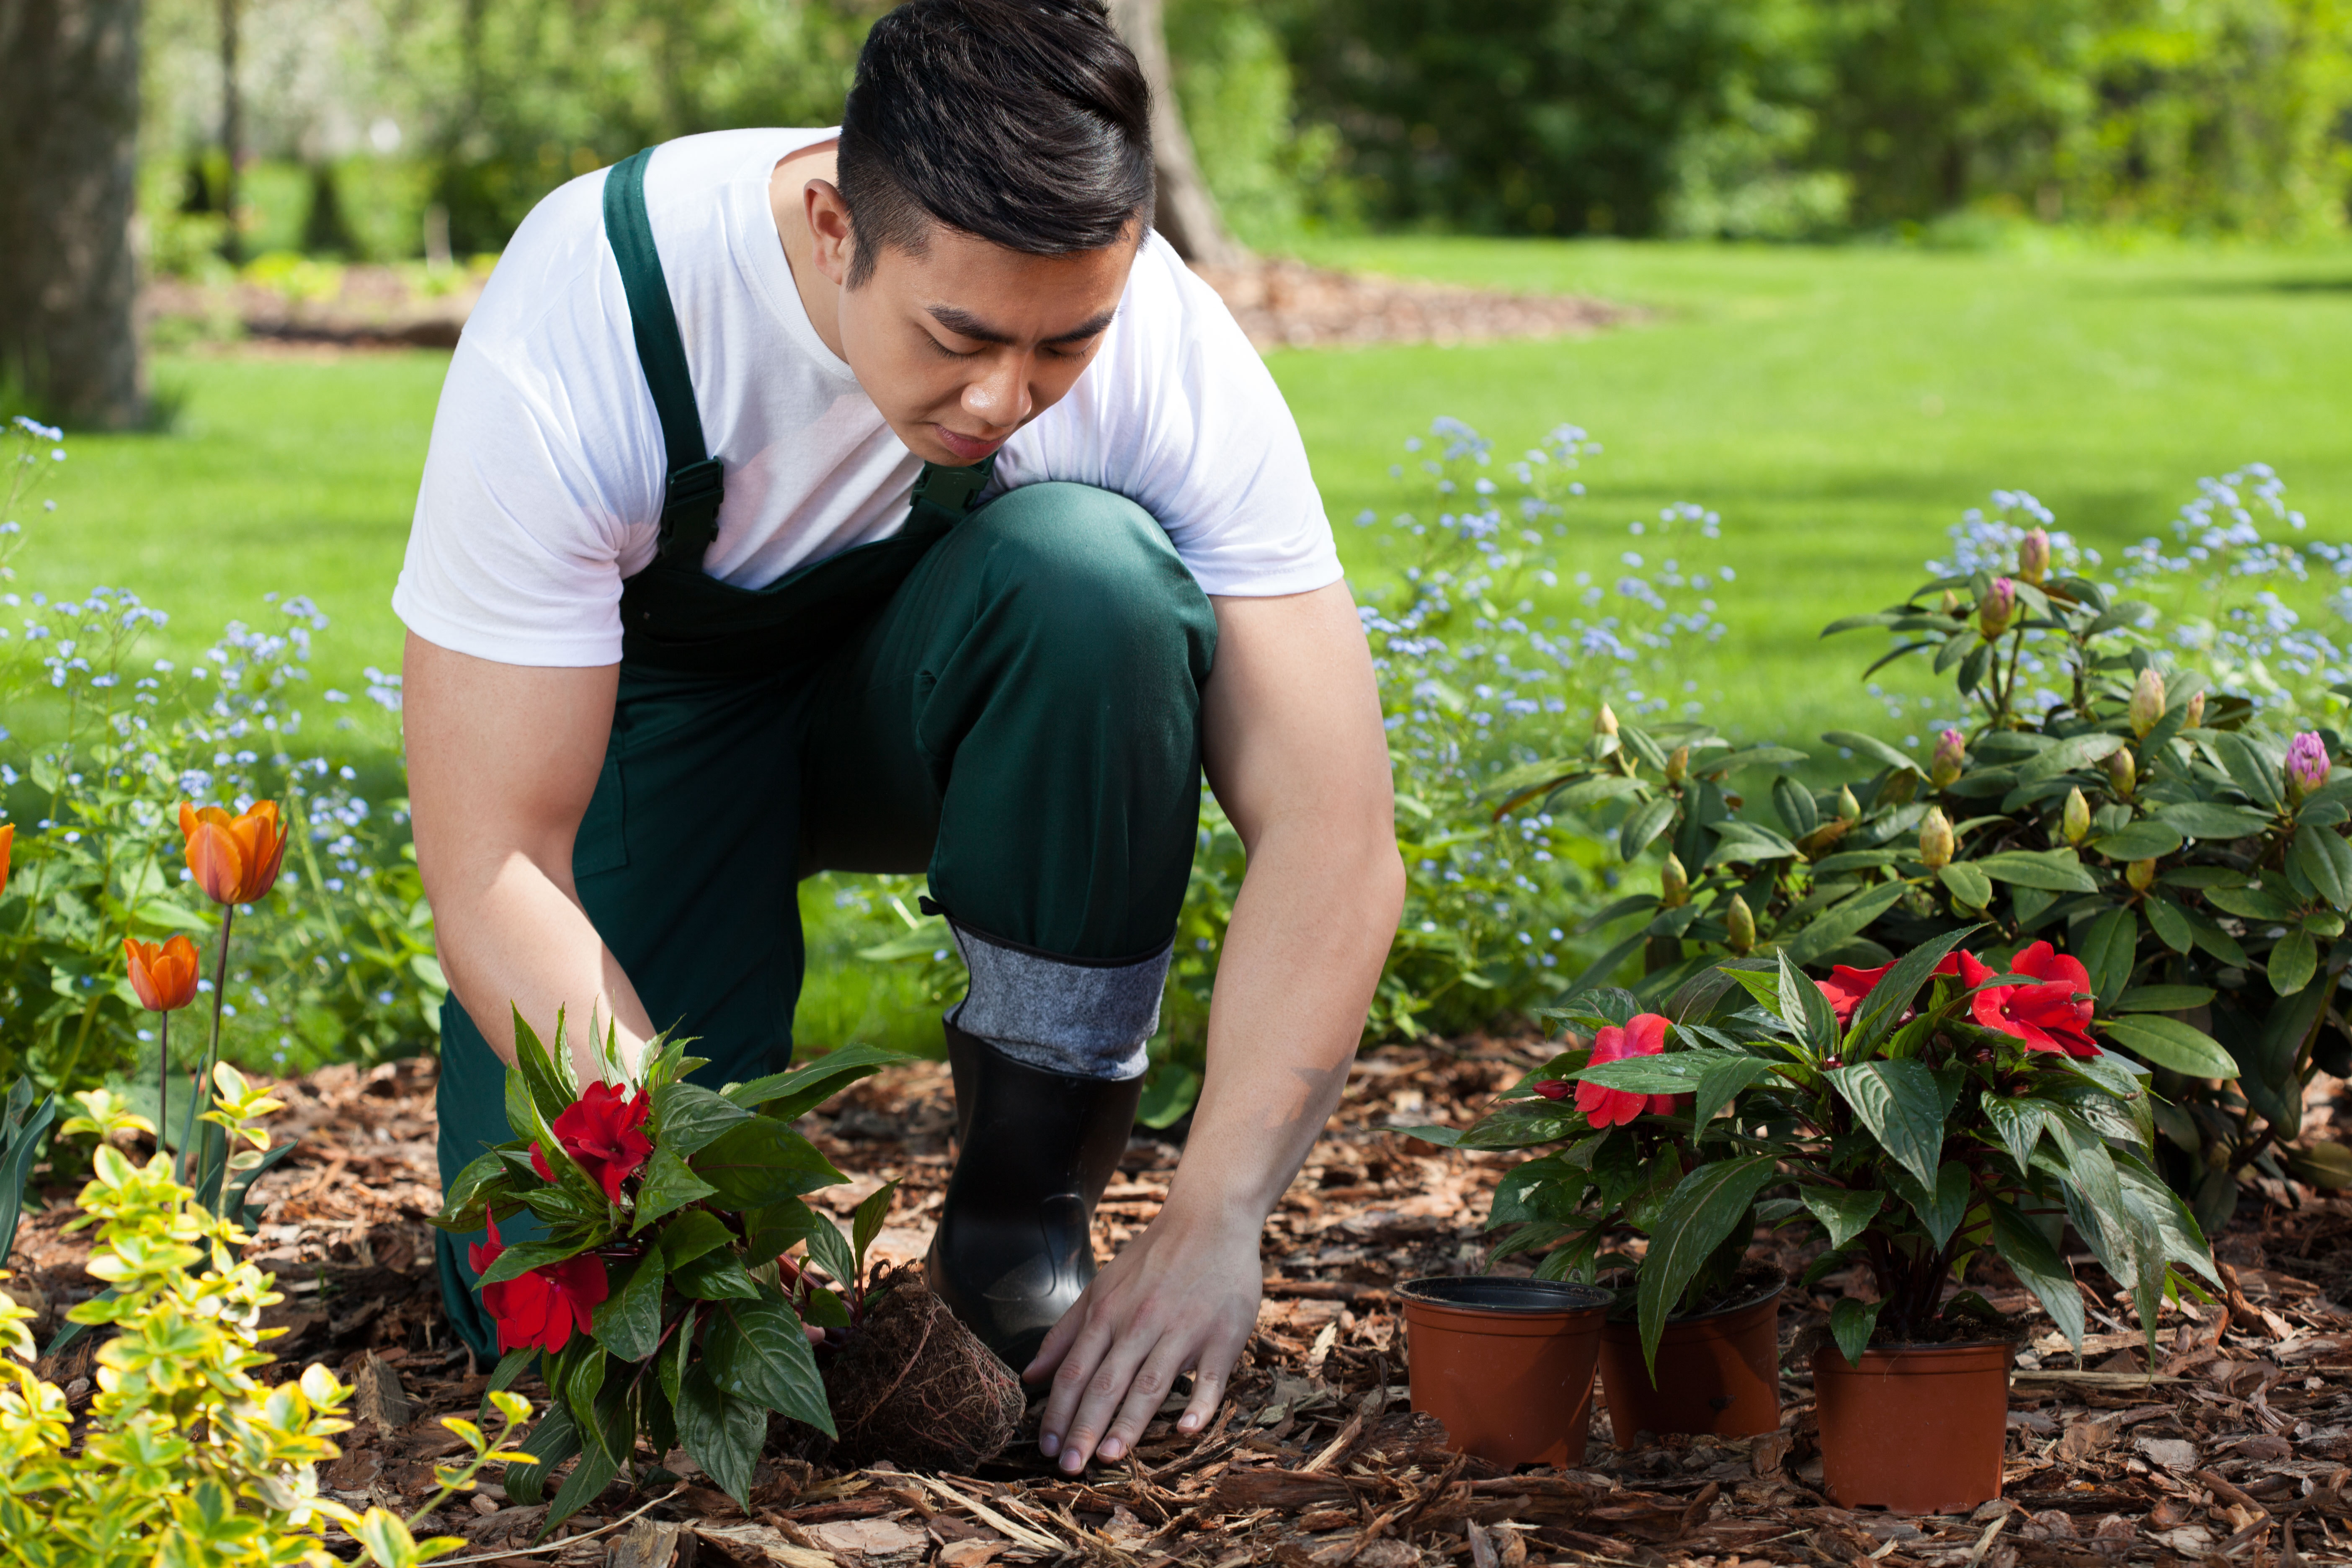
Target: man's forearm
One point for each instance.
(1310, 929)
(514, 941)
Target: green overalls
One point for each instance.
(1007, 695)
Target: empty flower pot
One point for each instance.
(1915, 1428)
(1506, 1364)
(1718, 1372)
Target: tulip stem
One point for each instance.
(162, 1076)
(187, 1163)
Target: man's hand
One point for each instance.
(1292, 740)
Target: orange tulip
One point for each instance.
(164, 975)
(7, 845)
(236, 858)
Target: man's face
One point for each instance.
(961, 345)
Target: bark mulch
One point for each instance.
(2236, 1451)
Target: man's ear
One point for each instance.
(829, 230)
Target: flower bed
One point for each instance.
(2249, 1420)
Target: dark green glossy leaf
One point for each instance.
(550, 1082)
(867, 1223)
(1642, 824)
(2163, 999)
(2018, 1123)
(1672, 1072)
(721, 1432)
(1843, 1213)
(1876, 750)
(524, 1257)
(2108, 951)
(2294, 960)
(2039, 1267)
(462, 1208)
(687, 1116)
(2168, 1043)
(784, 1095)
(628, 1322)
(1842, 922)
(552, 1441)
(690, 1235)
(1749, 757)
(1721, 1084)
(2051, 870)
(2068, 756)
(1941, 1208)
(756, 1351)
(1874, 1018)
(2172, 927)
(1852, 1323)
(2140, 841)
(1899, 1103)
(671, 1184)
(2249, 769)
(830, 1249)
(2207, 819)
(762, 1161)
(1700, 1212)
(1970, 888)
(715, 1277)
(2326, 861)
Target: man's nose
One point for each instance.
(1001, 395)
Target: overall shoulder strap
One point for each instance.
(689, 518)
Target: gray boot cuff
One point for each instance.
(1065, 1015)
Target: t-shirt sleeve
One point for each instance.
(515, 554)
(1180, 414)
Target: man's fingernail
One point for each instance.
(1049, 1444)
(1111, 1450)
(1072, 1462)
(1188, 1424)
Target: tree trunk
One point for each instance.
(1187, 212)
(232, 134)
(68, 140)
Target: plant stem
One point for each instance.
(162, 1076)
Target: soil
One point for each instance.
(2238, 1448)
(913, 1386)
(1279, 303)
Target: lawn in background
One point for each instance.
(1839, 408)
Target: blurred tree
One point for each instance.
(68, 174)
(1188, 213)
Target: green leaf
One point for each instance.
(2108, 951)
(2172, 927)
(2163, 999)
(790, 1094)
(461, 1210)
(1842, 922)
(2164, 1042)
(1642, 824)
(1873, 748)
(757, 1352)
(1696, 1217)
(763, 1161)
(1852, 1323)
(552, 1441)
(775, 1230)
(2248, 769)
(580, 1380)
(867, 1223)
(1899, 1103)
(2051, 870)
(1970, 888)
(1749, 757)
(2075, 752)
(831, 1252)
(2039, 1267)
(551, 1083)
(628, 1321)
(721, 1432)
(2294, 960)
(1670, 1072)
(2141, 840)
(1719, 1085)
(1844, 1213)
(691, 1235)
(671, 1184)
(2251, 903)
(2206, 819)
(688, 1117)
(2018, 1123)
(521, 1258)
(1941, 1208)
(2326, 861)
(1598, 790)
(522, 1113)
(716, 1277)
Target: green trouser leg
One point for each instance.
(1022, 717)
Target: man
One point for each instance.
(895, 499)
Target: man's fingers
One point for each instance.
(1101, 1394)
(1208, 1388)
(1058, 1342)
(1145, 1395)
(1087, 1340)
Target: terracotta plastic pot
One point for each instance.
(1506, 1364)
(1917, 1428)
(1718, 1372)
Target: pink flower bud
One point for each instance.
(2306, 764)
(1998, 609)
(2033, 555)
(2147, 701)
(1951, 756)
(1553, 1087)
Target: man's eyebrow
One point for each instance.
(964, 324)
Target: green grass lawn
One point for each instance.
(1838, 407)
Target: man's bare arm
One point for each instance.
(501, 761)
(1296, 754)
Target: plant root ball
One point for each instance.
(914, 1387)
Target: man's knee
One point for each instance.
(1089, 570)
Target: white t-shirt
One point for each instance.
(543, 485)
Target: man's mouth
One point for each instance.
(966, 448)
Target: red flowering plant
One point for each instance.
(658, 1303)
(1935, 1119)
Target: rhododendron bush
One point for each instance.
(1947, 1106)
(657, 1301)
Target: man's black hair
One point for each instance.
(1025, 123)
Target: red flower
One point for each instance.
(603, 1132)
(1846, 986)
(540, 1308)
(2046, 1017)
(1645, 1037)
(1552, 1088)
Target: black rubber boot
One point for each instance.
(1035, 1150)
